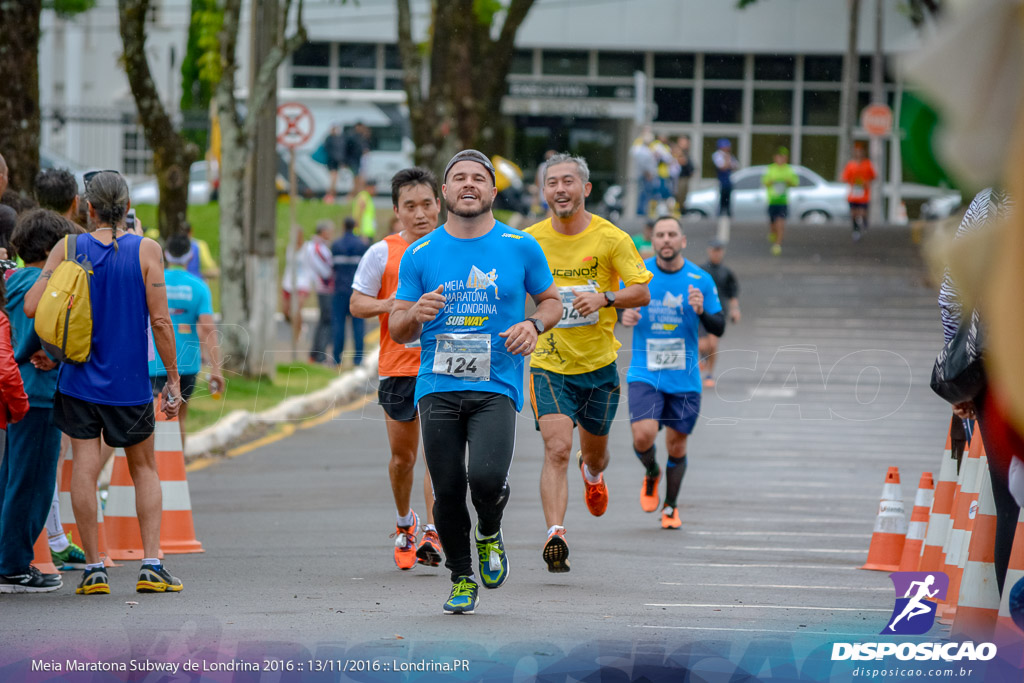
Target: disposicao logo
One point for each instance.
(914, 611)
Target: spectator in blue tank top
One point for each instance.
(110, 394)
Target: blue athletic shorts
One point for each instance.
(778, 211)
(676, 411)
(590, 398)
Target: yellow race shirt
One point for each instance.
(595, 260)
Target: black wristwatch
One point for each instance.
(538, 324)
(610, 298)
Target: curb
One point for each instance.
(240, 426)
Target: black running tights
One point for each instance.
(487, 423)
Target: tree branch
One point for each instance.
(265, 85)
(155, 121)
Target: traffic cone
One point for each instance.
(1006, 630)
(890, 527)
(67, 512)
(933, 559)
(918, 527)
(978, 602)
(123, 531)
(964, 511)
(177, 530)
(42, 559)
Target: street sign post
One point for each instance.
(295, 128)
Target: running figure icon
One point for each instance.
(916, 606)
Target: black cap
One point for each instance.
(469, 155)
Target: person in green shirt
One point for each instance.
(779, 177)
(365, 212)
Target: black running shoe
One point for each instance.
(30, 581)
(556, 552)
(156, 579)
(94, 582)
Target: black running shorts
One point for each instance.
(121, 426)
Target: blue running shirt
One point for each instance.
(486, 280)
(665, 340)
(188, 297)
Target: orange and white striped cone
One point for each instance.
(177, 530)
(123, 532)
(1006, 630)
(42, 560)
(890, 527)
(933, 558)
(978, 602)
(964, 511)
(67, 513)
(918, 527)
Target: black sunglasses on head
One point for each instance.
(89, 175)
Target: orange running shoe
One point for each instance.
(649, 498)
(670, 518)
(428, 552)
(595, 495)
(405, 544)
(556, 552)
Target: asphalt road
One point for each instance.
(822, 386)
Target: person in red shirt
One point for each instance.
(858, 174)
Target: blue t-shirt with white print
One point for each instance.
(486, 280)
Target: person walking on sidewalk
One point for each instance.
(470, 384)
(111, 393)
(417, 204)
(664, 377)
(317, 255)
(778, 178)
(346, 254)
(574, 381)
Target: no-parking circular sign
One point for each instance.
(294, 124)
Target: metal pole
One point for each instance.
(875, 210)
(293, 256)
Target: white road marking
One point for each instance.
(824, 534)
(860, 551)
(768, 585)
(795, 607)
(764, 566)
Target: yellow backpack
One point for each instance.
(64, 314)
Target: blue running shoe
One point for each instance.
(464, 596)
(493, 560)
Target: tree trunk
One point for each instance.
(172, 155)
(19, 104)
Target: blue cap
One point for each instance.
(724, 142)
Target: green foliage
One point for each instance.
(743, 4)
(195, 91)
(486, 9)
(207, 21)
(69, 8)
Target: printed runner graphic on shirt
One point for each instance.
(478, 279)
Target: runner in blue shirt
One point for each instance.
(664, 375)
(462, 292)
(189, 302)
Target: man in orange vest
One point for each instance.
(858, 174)
(417, 204)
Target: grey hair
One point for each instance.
(107, 193)
(582, 170)
(324, 224)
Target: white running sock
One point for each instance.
(429, 527)
(554, 528)
(152, 560)
(407, 520)
(98, 565)
(591, 477)
(54, 530)
(484, 538)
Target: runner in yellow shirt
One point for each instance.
(573, 378)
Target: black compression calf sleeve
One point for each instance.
(648, 460)
(674, 471)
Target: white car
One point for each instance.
(814, 200)
(199, 188)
